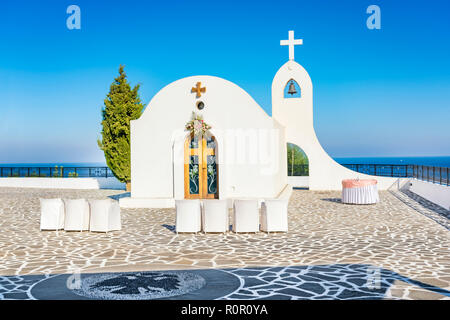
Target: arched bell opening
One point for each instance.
(292, 90)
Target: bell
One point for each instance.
(292, 88)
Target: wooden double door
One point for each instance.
(200, 168)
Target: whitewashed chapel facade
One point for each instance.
(243, 155)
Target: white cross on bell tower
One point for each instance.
(291, 42)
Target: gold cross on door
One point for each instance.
(200, 168)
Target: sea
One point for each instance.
(53, 164)
(441, 161)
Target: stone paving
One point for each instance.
(394, 236)
(425, 207)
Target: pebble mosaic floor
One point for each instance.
(139, 286)
(396, 249)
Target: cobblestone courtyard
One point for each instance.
(407, 239)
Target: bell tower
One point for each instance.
(292, 111)
(295, 114)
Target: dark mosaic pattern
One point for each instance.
(18, 287)
(322, 282)
(140, 285)
(325, 282)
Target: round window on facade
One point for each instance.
(200, 105)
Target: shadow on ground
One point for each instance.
(321, 282)
(427, 208)
(171, 228)
(336, 200)
(120, 195)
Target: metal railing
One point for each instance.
(56, 172)
(383, 170)
(439, 175)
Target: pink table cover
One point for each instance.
(355, 183)
(359, 191)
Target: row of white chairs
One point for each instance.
(211, 215)
(80, 215)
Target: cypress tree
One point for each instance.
(121, 105)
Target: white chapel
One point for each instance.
(243, 151)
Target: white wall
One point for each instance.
(281, 180)
(63, 183)
(298, 181)
(157, 141)
(438, 194)
(296, 114)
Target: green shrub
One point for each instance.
(55, 172)
(34, 174)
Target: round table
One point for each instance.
(357, 191)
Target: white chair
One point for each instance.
(274, 217)
(215, 216)
(77, 215)
(105, 216)
(245, 216)
(188, 216)
(52, 214)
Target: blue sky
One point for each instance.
(376, 92)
